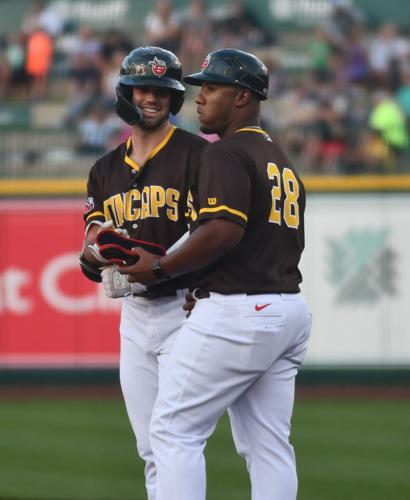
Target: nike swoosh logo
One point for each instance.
(259, 308)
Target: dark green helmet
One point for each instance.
(148, 67)
(233, 67)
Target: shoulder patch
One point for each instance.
(89, 204)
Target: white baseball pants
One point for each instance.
(148, 329)
(239, 352)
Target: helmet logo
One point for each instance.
(158, 66)
(205, 62)
(137, 69)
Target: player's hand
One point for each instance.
(141, 271)
(189, 303)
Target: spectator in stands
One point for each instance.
(387, 54)
(97, 130)
(44, 16)
(84, 73)
(196, 36)
(320, 53)
(327, 142)
(5, 69)
(355, 66)
(113, 41)
(387, 119)
(374, 154)
(38, 62)
(162, 28)
(239, 28)
(110, 76)
(343, 20)
(15, 59)
(114, 47)
(403, 94)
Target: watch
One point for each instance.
(159, 273)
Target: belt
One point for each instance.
(201, 294)
(204, 294)
(154, 294)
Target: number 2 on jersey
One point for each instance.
(291, 188)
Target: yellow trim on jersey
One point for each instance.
(163, 142)
(93, 215)
(158, 148)
(128, 160)
(251, 129)
(227, 209)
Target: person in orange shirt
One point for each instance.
(38, 61)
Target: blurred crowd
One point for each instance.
(346, 111)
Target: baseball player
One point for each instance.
(241, 347)
(142, 187)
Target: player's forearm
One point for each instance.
(89, 240)
(207, 244)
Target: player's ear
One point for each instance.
(243, 97)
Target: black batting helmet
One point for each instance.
(148, 67)
(233, 67)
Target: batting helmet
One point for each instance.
(233, 67)
(148, 67)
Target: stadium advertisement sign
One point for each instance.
(50, 314)
(356, 270)
(356, 273)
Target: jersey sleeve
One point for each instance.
(224, 186)
(94, 210)
(191, 193)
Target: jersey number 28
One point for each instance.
(291, 187)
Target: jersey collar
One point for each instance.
(256, 129)
(133, 164)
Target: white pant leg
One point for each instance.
(220, 352)
(148, 329)
(261, 417)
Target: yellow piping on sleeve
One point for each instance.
(226, 208)
(93, 215)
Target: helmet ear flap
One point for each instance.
(177, 100)
(124, 107)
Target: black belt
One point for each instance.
(155, 294)
(201, 294)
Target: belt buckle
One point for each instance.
(200, 294)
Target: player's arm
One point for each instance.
(89, 239)
(208, 243)
(222, 220)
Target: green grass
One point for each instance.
(65, 449)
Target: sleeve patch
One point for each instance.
(89, 204)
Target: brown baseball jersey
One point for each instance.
(247, 179)
(152, 201)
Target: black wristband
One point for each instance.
(159, 273)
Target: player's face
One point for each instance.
(215, 107)
(154, 103)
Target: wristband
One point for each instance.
(159, 273)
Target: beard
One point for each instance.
(153, 124)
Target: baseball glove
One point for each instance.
(115, 248)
